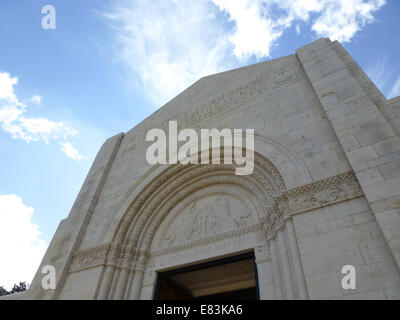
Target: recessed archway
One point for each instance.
(178, 186)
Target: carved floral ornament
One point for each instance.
(309, 197)
(285, 204)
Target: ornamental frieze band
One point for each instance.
(308, 197)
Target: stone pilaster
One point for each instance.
(70, 231)
(368, 139)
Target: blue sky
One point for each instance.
(109, 64)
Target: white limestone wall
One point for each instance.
(345, 234)
(81, 285)
(317, 116)
(369, 139)
(287, 116)
(71, 230)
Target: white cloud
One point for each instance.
(382, 74)
(342, 19)
(379, 73)
(395, 90)
(31, 129)
(36, 99)
(19, 126)
(171, 44)
(71, 152)
(7, 87)
(260, 23)
(254, 34)
(21, 247)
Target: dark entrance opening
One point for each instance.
(232, 278)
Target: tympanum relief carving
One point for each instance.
(205, 217)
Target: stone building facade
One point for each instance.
(324, 193)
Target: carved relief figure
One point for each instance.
(206, 217)
(239, 218)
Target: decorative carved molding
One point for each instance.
(177, 175)
(310, 197)
(107, 254)
(315, 195)
(90, 257)
(187, 186)
(205, 241)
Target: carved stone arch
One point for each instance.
(217, 177)
(129, 249)
(290, 165)
(283, 164)
(129, 257)
(265, 177)
(221, 200)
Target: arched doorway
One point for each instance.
(193, 214)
